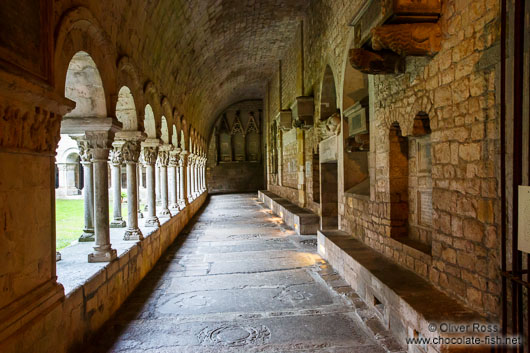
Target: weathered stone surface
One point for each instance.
(278, 305)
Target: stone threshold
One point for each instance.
(404, 303)
(303, 221)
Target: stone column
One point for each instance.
(157, 183)
(163, 161)
(191, 186)
(85, 152)
(172, 179)
(130, 151)
(100, 142)
(138, 188)
(150, 153)
(203, 176)
(183, 191)
(116, 161)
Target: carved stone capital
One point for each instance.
(182, 157)
(163, 158)
(116, 157)
(130, 151)
(29, 127)
(408, 38)
(173, 158)
(373, 63)
(149, 155)
(85, 152)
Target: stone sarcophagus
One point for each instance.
(386, 31)
(285, 120)
(378, 12)
(303, 110)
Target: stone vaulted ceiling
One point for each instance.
(203, 54)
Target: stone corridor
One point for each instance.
(236, 280)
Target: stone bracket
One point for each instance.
(373, 63)
(285, 120)
(303, 110)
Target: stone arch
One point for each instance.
(185, 133)
(328, 94)
(164, 130)
(79, 31)
(128, 76)
(152, 98)
(149, 122)
(126, 110)
(167, 112)
(174, 137)
(84, 86)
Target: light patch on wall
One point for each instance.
(524, 219)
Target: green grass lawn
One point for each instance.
(70, 220)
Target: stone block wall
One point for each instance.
(456, 89)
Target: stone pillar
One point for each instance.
(116, 161)
(172, 179)
(157, 183)
(138, 188)
(191, 180)
(183, 193)
(85, 152)
(163, 161)
(150, 153)
(128, 143)
(100, 142)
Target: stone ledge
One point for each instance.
(303, 221)
(397, 294)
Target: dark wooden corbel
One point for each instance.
(369, 62)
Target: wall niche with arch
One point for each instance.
(356, 125)
(410, 182)
(236, 149)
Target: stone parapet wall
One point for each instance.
(71, 321)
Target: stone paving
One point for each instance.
(237, 280)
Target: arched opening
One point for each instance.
(85, 87)
(75, 213)
(126, 110)
(398, 177)
(328, 156)
(164, 129)
(328, 95)
(149, 122)
(356, 127)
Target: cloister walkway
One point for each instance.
(237, 280)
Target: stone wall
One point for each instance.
(70, 322)
(456, 90)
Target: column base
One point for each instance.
(152, 221)
(140, 215)
(86, 237)
(103, 256)
(174, 208)
(118, 223)
(183, 204)
(133, 234)
(164, 213)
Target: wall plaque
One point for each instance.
(328, 150)
(425, 208)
